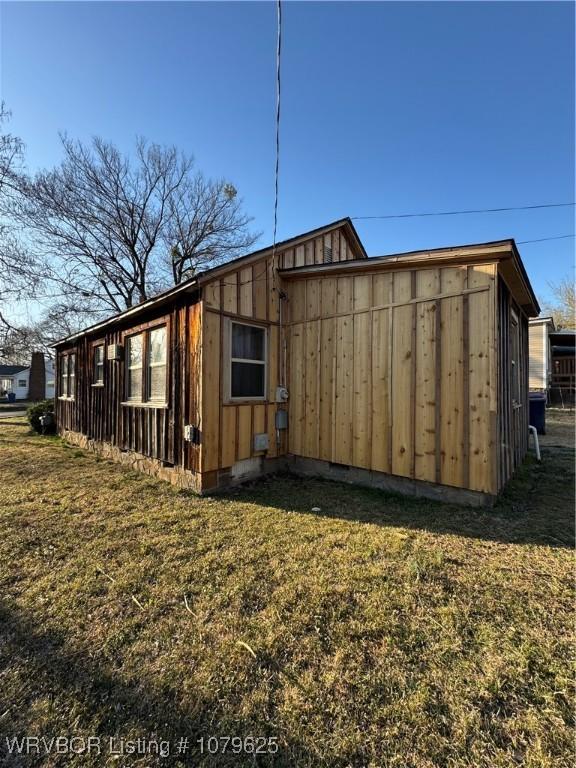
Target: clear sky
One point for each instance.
(387, 108)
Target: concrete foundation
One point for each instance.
(255, 468)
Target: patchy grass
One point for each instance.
(381, 631)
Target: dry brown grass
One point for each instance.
(379, 632)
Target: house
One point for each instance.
(552, 361)
(14, 378)
(17, 378)
(540, 353)
(406, 372)
(562, 353)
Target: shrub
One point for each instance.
(37, 410)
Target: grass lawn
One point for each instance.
(380, 631)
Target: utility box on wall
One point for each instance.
(261, 442)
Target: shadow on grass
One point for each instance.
(535, 508)
(49, 688)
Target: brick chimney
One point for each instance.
(37, 380)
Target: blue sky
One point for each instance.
(387, 108)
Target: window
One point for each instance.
(71, 374)
(146, 366)
(22, 383)
(99, 364)
(157, 364)
(134, 359)
(247, 361)
(67, 374)
(64, 376)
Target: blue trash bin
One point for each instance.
(11, 397)
(537, 411)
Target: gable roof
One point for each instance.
(221, 269)
(12, 370)
(504, 251)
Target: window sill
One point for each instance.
(65, 397)
(136, 404)
(245, 400)
(98, 385)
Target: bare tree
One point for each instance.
(113, 231)
(11, 153)
(563, 307)
(97, 219)
(205, 226)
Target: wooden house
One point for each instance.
(406, 372)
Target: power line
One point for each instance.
(542, 239)
(278, 90)
(459, 213)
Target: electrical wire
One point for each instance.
(542, 239)
(459, 213)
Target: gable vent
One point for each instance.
(327, 254)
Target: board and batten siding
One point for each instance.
(101, 413)
(250, 293)
(395, 371)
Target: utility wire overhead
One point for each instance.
(459, 213)
(542, 239)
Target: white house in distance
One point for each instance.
(540, 355)
(16, 379)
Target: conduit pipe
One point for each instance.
(534, 432)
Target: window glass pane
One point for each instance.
(157, 345)
(99, 364)
(247, 380)
(135, 351)
(247, 342)
(135, 384)
(71, 365)
(63, 375)
(157, 383)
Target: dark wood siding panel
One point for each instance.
(100, 412)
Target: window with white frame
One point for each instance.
(156, 360)
(67, 374)
(134, 368)
(147, 366)
(247, 361)
(71, 374)
(22, 383)
(99, 364)
(64, 376)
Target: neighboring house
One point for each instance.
(562, 351)
(540, 367)
(406, 372)
(552, 361)
(16, 379)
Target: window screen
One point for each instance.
(64, 376)
(71, 374)
(157, 364)
(99, 364)
(134, 358)
(248, 361)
